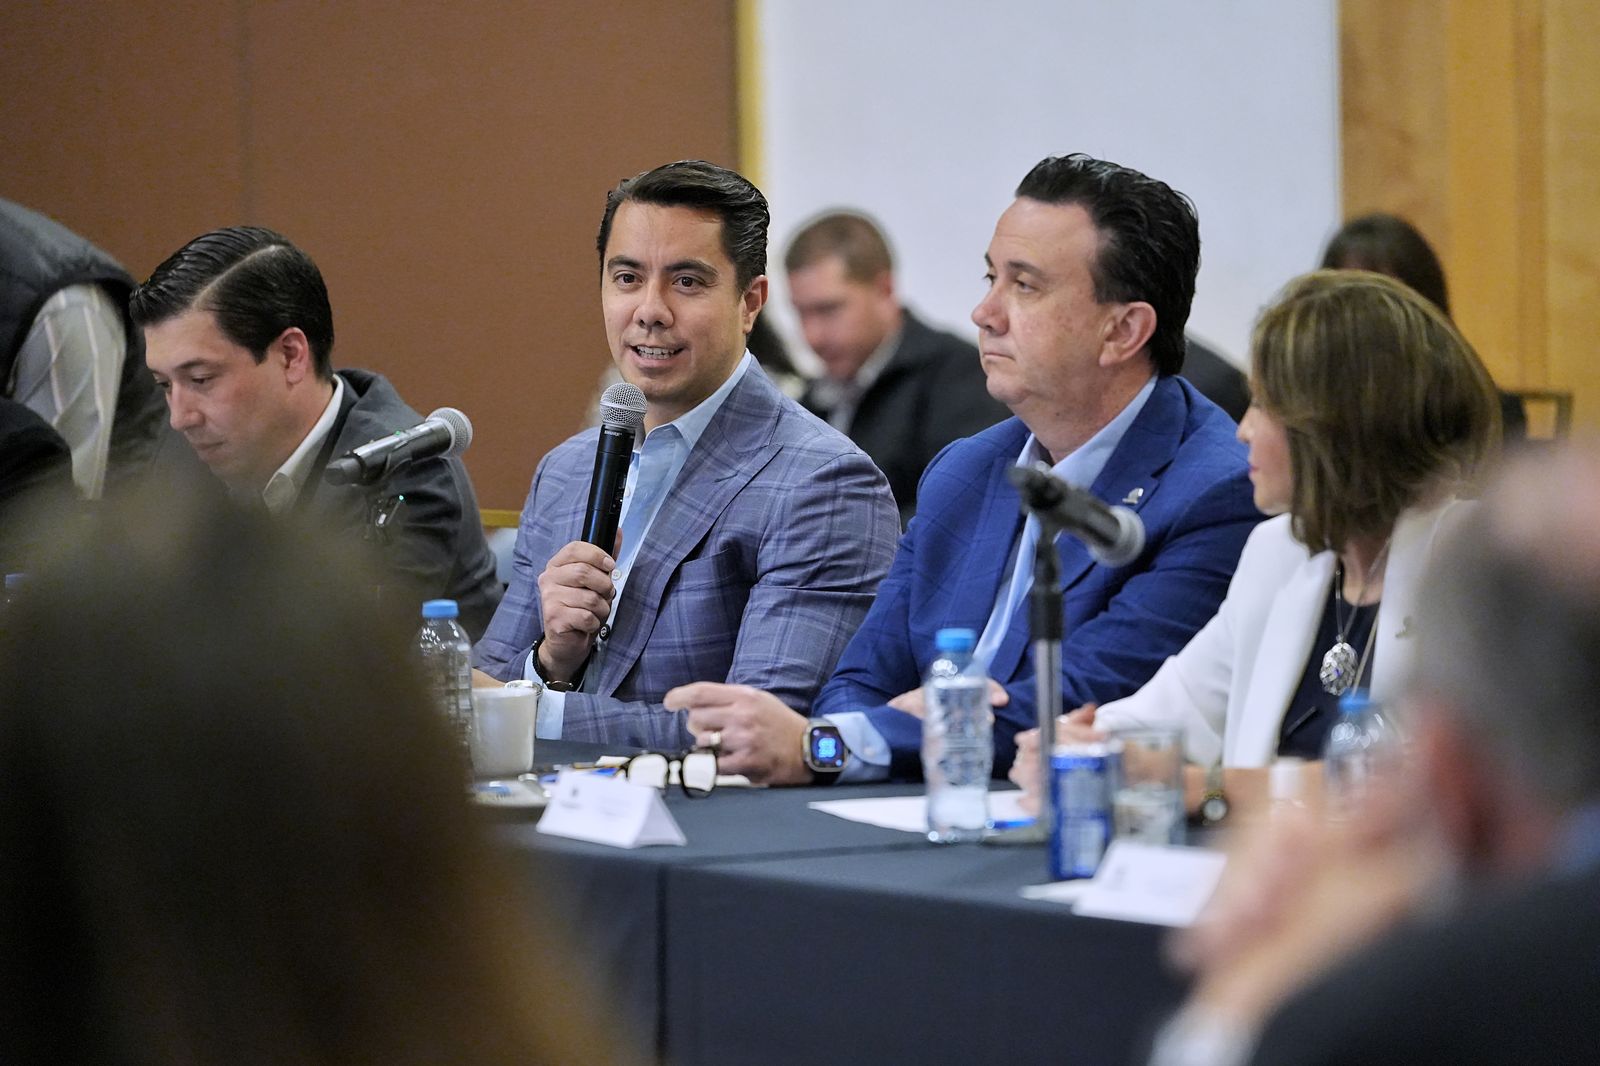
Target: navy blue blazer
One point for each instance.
(1187, 476)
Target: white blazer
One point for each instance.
(1228, 689)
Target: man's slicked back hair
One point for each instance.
(695, 183)
(254, 281)
(1149, 240)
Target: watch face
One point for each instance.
(1213, 809)
(825, 748)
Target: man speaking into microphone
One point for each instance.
(751, 535)
(238, 332)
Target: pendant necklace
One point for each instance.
(1340, 667)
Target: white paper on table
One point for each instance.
(1151, 883)
(1056, 891)
(608, 810)
(909, 814)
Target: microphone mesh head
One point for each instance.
(460, 429)
(622, 407)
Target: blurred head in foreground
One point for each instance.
(230, 828)
(1507, 674)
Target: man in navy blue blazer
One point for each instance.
(1091, 273)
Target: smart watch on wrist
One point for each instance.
(824, 751)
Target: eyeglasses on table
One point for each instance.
(694, 771)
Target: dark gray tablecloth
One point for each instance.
(781, 934)
(926, 955)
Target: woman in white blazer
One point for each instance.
(1369, 415)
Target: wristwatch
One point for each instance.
(1214, 804)
(824, 751)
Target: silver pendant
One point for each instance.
(1338, 669)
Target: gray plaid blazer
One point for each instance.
(760, 565)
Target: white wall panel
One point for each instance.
(926, 115)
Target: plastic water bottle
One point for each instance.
(446, 657)
(957, 740)
(1362, 744)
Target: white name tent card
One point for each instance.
(1151, 883)
(608, 810)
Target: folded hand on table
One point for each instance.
(1074, 727)
(752, 732)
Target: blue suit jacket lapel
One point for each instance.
(735, 446)
(1130, 477)
(999, 523)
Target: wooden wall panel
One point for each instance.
(123, 120)
(1494, 187)
(1392, 136)
(1478, 120)
(1572, 177)
(446, 165)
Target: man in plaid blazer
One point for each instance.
(753, 535)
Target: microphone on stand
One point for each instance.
(622, 408)
(446, 432)
(1113, 535)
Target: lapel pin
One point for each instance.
(1134, 496)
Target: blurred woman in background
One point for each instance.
(1388, 244)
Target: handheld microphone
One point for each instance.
(622, 408)
(446, 432)
(1113, 535)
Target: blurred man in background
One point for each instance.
(897, 387)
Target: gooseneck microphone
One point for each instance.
(1113, 535)
(446, 432)
(622, 408)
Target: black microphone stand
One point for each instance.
(1044, 618)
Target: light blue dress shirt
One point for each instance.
(654, 469)
(869, 752)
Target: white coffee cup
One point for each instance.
(502, 730)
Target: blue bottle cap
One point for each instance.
(955, 640)
(440, 609)
(1355, 701)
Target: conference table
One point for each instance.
(782, 934)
